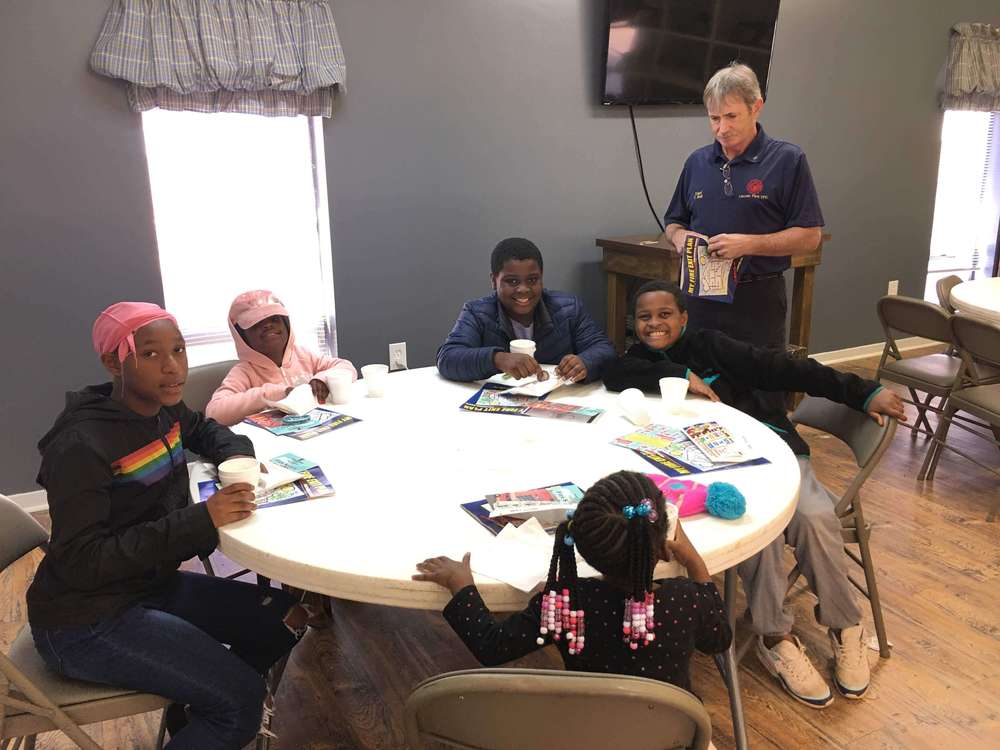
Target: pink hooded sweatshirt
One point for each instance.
(255, 378)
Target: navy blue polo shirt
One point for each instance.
(772, 190)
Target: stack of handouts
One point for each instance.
(548, 505)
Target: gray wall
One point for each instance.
(76, 221)
(465, 121)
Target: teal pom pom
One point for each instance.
(725, 501)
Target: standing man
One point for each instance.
(753, 197)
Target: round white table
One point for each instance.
(402, 472)
(979, 298)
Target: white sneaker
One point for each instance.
(788, 662)
(851, 675)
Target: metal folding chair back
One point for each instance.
(976, 392)
(202, 382)
(34, 699)
(868, 442)
(932, 374)
(528, 709)
(944, 287)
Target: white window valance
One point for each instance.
(972, 76)
(265, 57)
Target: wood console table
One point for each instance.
(642, 256)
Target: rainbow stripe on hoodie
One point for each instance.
(152, 462)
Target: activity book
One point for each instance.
(309, 482)
(317, 422)
(676, 453)
(493, 398)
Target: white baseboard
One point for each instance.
(36, 501)
(31, 501)
(839, 356)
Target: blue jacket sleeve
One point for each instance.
(591, 344)
(462, 356)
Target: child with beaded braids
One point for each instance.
(625, 623)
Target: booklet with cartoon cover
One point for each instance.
(704, 275)
(496, 399)
(671, 451)
(717, 443)
(311, 483)
(317, 422)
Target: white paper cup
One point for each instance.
(374, 377)
(632, 402)
(522, 346)
(237, 470)
(339, 382)
(673, 391)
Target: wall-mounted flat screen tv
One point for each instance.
(664, 51)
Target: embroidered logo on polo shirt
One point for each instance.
(698, 195)
(755, 187)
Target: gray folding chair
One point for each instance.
(202, 382)
(868, 442)
(978, 343)
(944, 287)
(933, 374)
(32, 698)
(541, 709)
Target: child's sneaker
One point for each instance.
(851, 674)
(788, 662)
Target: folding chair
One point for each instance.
(932, 374)
(868, 442)
(202, 381)
(34, 699)
(528, 709)
(978, 343)
(944, 287)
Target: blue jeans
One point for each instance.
(171, 644)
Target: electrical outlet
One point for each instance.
(397, 356)
(893, 287)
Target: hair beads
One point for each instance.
(558, 617)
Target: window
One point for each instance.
(240, 203)
(967, 205)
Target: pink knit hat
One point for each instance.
(249, 308)
(114, 330)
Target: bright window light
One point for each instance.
(240, 203)
(967, 203)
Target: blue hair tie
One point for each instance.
(568, 540)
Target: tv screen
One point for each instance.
(664, 51)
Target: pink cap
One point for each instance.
(249, 308)
(115, 328)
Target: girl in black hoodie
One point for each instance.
(108, 603)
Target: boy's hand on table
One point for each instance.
(886, 402)
(444, 571)
(231, 504)
(571, 368)
(320, 390)
(698, 386)
(518, 365)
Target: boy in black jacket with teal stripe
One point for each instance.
(736, 373)
(108, 603)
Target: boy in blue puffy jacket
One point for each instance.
(520, 307)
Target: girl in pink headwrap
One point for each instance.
(108, 603)
(271, 363)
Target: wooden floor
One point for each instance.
(938, 563)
